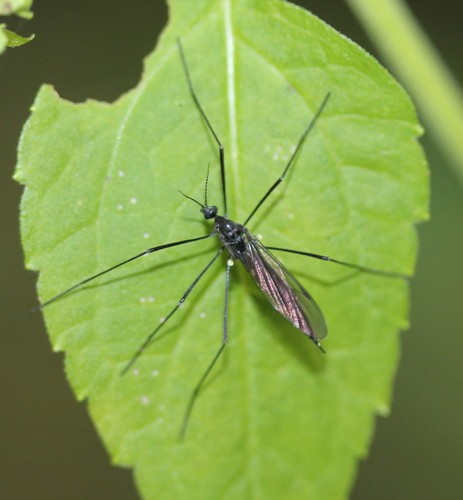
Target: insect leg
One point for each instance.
(226, 302)
(203, 378)
(291, 160)
(364, 269)
(195, 393)
(91, 278)
(150, 337)
(208, 123)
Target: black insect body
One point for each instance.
(233, 237)
(281, 288)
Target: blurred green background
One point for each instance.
(49, 448)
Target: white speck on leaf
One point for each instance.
(144, 400)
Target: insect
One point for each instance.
(283, 291)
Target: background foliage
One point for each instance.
(43, 402)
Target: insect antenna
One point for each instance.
(293, 156)
(208, 123)
(191, 198)
(205, 191)
(206, 184)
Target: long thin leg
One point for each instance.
(195, 393)
(208, 123)
(226, 302)
(364, 269)
(146, 252)
(203, 378)
(150, 337)
(291, 160)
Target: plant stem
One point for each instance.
(411, 55)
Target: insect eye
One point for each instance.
(209, 212)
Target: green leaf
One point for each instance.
(3, 38)
(21, 8)
(13, 39)
(277, 418)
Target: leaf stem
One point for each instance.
(410, 53)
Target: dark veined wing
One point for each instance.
(282, 289)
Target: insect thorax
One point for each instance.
(231, 235)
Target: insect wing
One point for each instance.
(282, 289)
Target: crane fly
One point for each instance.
(282, 290)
